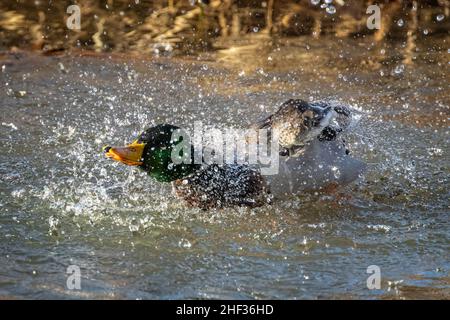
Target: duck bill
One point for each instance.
(130, 155)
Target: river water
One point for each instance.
(62, 203)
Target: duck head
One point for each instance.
(298, 122)
(153, 152)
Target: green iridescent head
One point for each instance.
(159, 151)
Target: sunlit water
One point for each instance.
(62, 203)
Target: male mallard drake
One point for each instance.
(205, 187)
(311, 162)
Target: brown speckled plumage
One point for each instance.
(299, 122)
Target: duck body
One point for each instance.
(223, 185)
(312, 157)
(323, 164)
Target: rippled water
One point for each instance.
(63, 203)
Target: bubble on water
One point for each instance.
(255, 29)
(426, 31)
(440, 17)
(315, 2)
(400, 23)
(330, 9)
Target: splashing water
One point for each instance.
(63, 203)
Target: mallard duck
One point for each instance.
(323, 161)
(200, 186)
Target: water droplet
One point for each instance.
(11, 125)
(440, 17)
(330, 10)
(134, 226)
(399, 69)
(184, 243)
(20, 93)
(53, 224)
(434, 151)
(336, 172)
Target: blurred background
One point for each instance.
(188, 26)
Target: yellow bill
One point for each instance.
(130, 155)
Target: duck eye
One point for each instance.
(307, 121)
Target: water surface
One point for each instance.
(63, 203)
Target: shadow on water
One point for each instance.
(63, 203)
